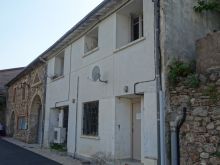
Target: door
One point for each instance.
(136, 131)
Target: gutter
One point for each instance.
(160, 106)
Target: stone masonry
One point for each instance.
(200, 133)
(199, 136)
(25, 94)
(208, 52)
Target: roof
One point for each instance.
(6, 75)
(94, 17)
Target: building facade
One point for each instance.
(24, 115)
(96, 88)
(107, 78)
(105, 86)
(5, 76)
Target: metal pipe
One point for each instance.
(175, 125)
(162, 131)
(158, 78)
(77, 99)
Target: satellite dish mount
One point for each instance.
(96, 76)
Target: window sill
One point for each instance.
(90, 137)
(91, 51)
(57, 78)
(129, 44)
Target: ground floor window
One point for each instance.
(90, 118)
(22, 123)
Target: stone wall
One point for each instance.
(200, 133)
(208, 52)
(34, 83)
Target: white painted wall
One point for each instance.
(121, 67)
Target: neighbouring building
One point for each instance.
(5, 76)
(25, 102)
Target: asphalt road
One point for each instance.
(11, 154)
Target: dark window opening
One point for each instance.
(137, 27)
(23, 93)
(90, 118)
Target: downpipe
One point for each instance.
(175, 125)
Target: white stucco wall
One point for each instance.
(121, 67)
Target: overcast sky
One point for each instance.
(29, 27)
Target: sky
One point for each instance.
(29, 27)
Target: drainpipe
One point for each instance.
(160, 107)
(77, 100)
(177, 119)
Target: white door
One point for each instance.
(136, 128)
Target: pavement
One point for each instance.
(14, 152)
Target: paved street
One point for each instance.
(11, 154)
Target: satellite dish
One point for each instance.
(96, 73)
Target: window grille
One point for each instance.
(90, 118)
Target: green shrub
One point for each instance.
(58, 147)
(211, 5)
(192, 81)
(177, 70)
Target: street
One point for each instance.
(11, 154)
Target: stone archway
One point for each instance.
(35, 121)
(12, 124)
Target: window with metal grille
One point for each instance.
(90, 118)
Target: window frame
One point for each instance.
(90, 133)
(14, 94)
(140, 24)
(61, 57)
(93, 49)
(23, 93)
(23, 121)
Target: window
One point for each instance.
(59, 65)
(91, 40)
(23, 92)
(14, 94)
(90, 118)
(22, 123)
(136, 27)
(129, 23)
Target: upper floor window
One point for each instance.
(91, 40)
(136, 27)
(90, 118)
(23, 93)
(14, 94)
(59, 65)
(129, 23)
